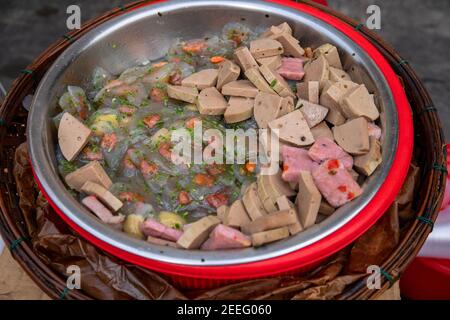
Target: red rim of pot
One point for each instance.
(334, 242)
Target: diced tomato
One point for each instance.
(190, 123)
(217, 59)
(183, 198)
(342, 188)
(175, 59)
(215, 169)
(83, 113)
(159, 64)
(113, 84)
(152, 120)
(175, 77)
(148, 168)
(285, 167)
(333, 164)
(128, 110)
(128, 196)
(250, 167)
(124, 90)
(109, 141)
(165, 149)
(217, 200)
(350, 196)
(194, 47)
(127, 162)
(157, 94)
(92, 155)
(202, 179)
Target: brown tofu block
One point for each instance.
(317, 70)
(330, 53)
(93, 171)
(313, 113)
(267, 107)
(293, 128)
(276, 82)
(162, 242)
(237, 215)
(239, 109)
(211, 102)
(290, 45)
(322, 130)
(266, 198)
(228, 71)
(222, 213)
(252, 203)
(308, 91)
(339, 75)
(271, 221)
(240, 88)
(73, 136)
(308, 199)
(287, 106)
(331, 98)
(258, 80)
(275, 186)
(92, 188)
(265, 47)
(320, 218)
(202, 79)
(325, 208)
(359, 103)
(261, 238)
(271, 62)
(187, 94)
(368, 163)
(197, 233)
(283, 27)
(353, 136)
(244, 58)
(283, 203)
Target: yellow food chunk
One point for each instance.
(105, 123)
(132, 226)
(171, 220)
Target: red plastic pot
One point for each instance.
(198, 276)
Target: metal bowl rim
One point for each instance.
(74, 211)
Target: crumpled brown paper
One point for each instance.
(106, 277)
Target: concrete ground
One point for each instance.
(418, 29)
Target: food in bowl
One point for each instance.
(116, 140)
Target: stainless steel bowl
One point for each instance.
(145, 34)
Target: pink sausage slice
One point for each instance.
(324, 149)
(153, 228)
(335, 183)
(291, 69)
(104, 214)
(294, 161)
(223, 237)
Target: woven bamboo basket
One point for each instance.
(429, 152)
